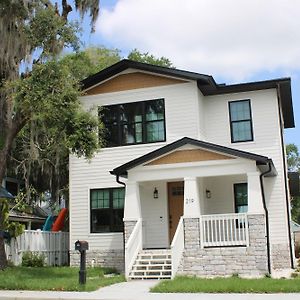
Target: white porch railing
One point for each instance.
(224, 230)
(177, 247)
(53, 245)
(133, 246)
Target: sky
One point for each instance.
(234, 41)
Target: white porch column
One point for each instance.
(191, 207)
(132, 205)
(255, 201)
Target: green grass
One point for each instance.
(55, 279)
(183, 284)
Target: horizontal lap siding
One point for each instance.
(266, 142)
(181, 120)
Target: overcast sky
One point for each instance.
(233, 40)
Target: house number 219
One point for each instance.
(189, 200)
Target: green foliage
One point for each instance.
(150, 59)
(14, 228)
(293, 157)
(50, 32)
(32, 259)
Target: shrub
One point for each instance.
(32, 259)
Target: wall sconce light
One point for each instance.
(208, 194)
(155, 193)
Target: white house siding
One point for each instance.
(222, 195)
(181, 120)
(267, 142)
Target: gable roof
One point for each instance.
(261, 161)
(206, 83)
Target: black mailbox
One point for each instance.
(81, 245)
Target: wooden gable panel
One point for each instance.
(132, 81)
(188, 156)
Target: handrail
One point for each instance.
(133, 246)
(177, 247)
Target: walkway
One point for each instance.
(136, 290)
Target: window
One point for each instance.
(241, 197)
(134, 123)
(107, 210)
(240, 121)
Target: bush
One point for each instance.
(32, 259)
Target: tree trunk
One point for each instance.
(3, 260)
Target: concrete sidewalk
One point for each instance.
(136, 290)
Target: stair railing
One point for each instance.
(133, 246)
(177, 247)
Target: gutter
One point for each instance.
(285, 179)
(122, 183)
(266, 213)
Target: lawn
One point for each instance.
(55, 279)
(182, 284)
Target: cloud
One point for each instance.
(233, 39)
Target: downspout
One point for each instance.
(285, 180)
(266, 213)
(122, 183)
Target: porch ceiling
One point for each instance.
(209, 150)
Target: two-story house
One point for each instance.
(192, 179)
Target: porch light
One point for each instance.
(208, 194)
(155, 193)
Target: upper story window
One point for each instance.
(240, 121)
(241, 197)
(134, 123)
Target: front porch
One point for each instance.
(197, 218)
(203, 202)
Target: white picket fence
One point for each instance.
(53, 245)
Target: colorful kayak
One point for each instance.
(60, 220)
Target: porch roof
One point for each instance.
(262, 162)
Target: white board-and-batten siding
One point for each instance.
(181, 103)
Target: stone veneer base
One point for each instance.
(102, 258)
(208, 262)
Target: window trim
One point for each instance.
(244, 120)
(110, 209)
(234, 195)
(144, 123)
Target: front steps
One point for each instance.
(152, 264)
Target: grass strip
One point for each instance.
(183, 284)
(55, 279)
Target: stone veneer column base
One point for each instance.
(128, 228)
(103, 258)
(280, 255)
(225, 261)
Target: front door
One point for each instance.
(175, 203)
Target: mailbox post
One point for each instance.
(82, 246)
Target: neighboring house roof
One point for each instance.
(295, 227)
(206, 84)
(261, 161)
(15, 215)
(5, 194)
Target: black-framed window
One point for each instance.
(240, 121)
(134, 123)
(107, 209)
(240, 197)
